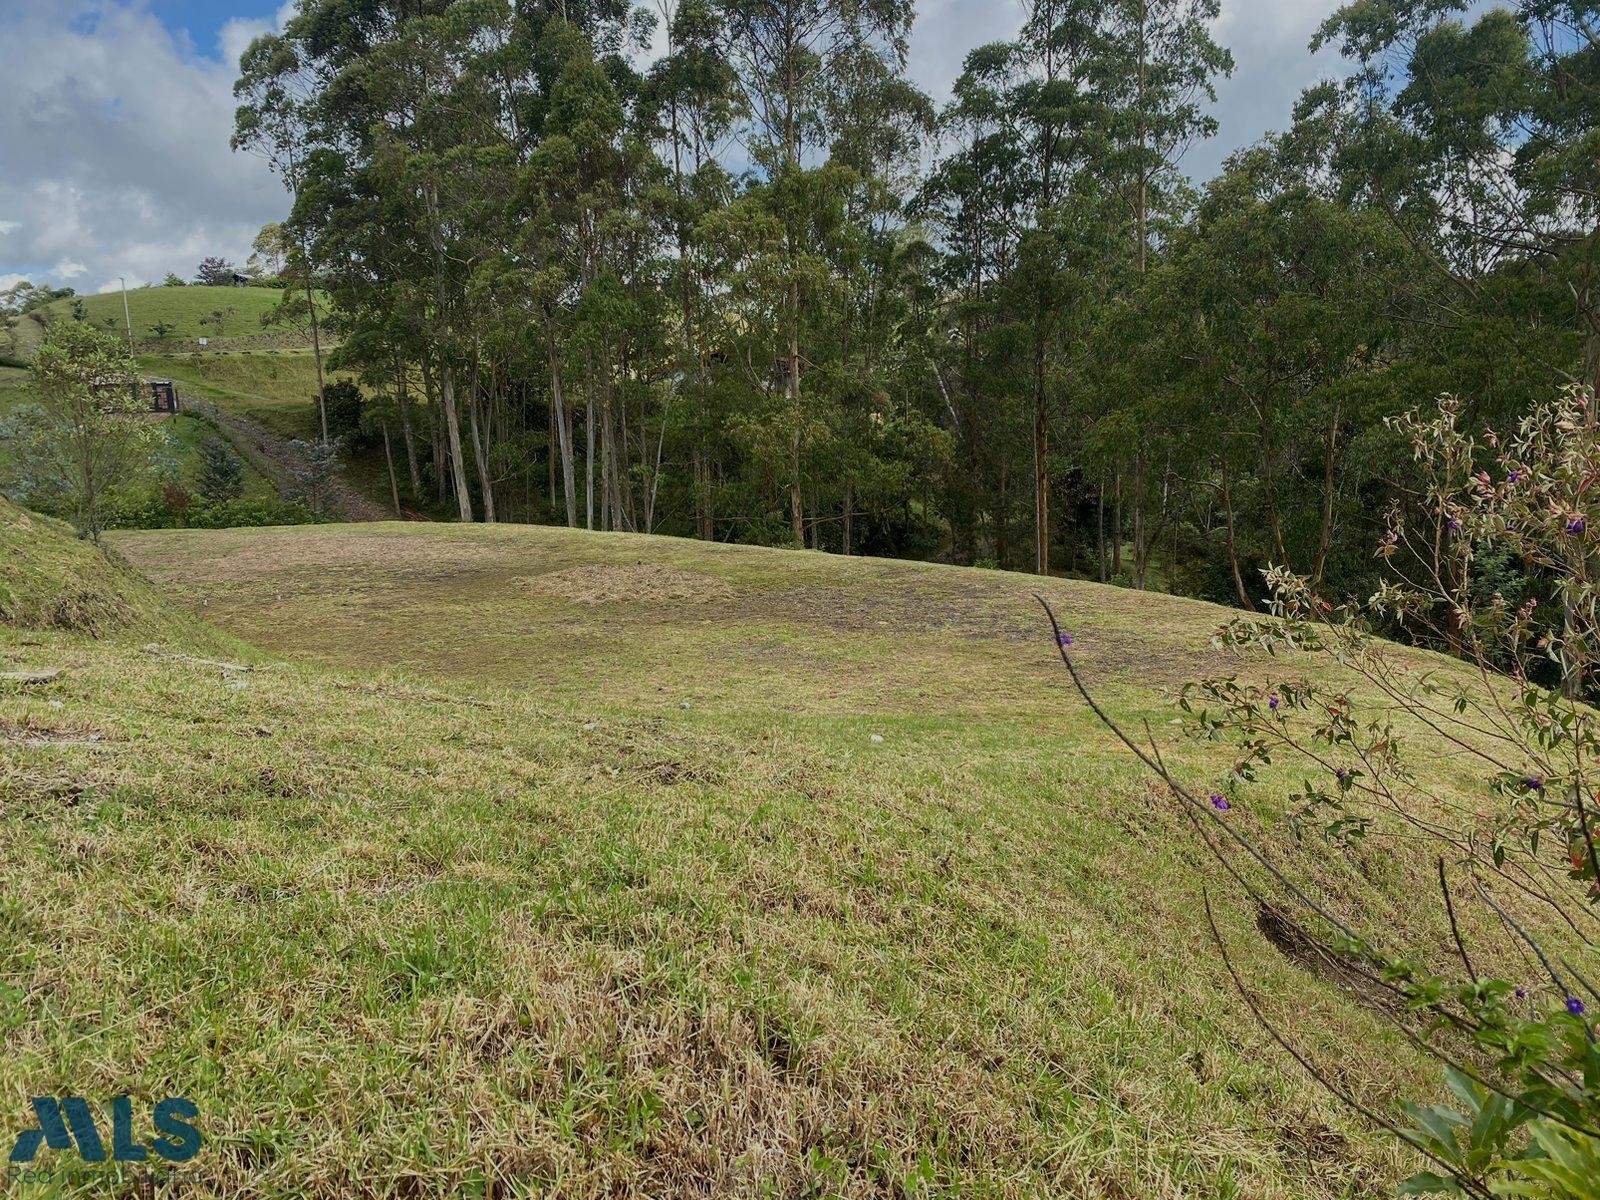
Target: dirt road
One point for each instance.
(277, 458)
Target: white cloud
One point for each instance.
(114, 156)
(115, 136)
(1269, 39)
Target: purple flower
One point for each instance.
(1514, 476)
(1453, 524)
(1575, 1006)
(1511, 527)
(1341, 775)
(1066, 639)
(1533, 783)
(1220, 802)
(1272, 703)
(1576, 526)
(1522, 993)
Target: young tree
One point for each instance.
(215, 271)
(221, 473)
(316, 471)
(89, 430)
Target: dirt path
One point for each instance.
(277, 459)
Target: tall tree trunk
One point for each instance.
(1100, 528)
(452, 425)
(1002, 523)
(480, 453)
(553, 451)
(791, 163)
(1116, 523)
(1141, 543)
(316, 351)
(849, 513)
(440, 476)
(588, 464)
(1325, 525)
(1041, 457)
(1233, 545)
(394, 482)
(403, 393)
(792, 388)
(447, 382)
(703, 516)
(563, 422)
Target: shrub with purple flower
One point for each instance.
(1492, 771)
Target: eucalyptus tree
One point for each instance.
(275, 120)
(1158, 64)
(1487, 139)
(691, 102)
(787, 54)
(1309, 309)
(1037, 108)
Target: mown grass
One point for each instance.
(553, 864)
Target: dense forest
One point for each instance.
(717, 268)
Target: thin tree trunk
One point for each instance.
(480, 453)
(1041, 459)
(552, 444)
(1325, 525)
(394, 482)
(563, 433)
(1239, 588)
(1100, 528)
(588, 465)
(1116, 524)
(316, 352)
(849, 513)
(403, 393)
(452, 424)
(1141, 545)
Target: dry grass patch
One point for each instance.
(641, 583)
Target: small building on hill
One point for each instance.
(163, 396)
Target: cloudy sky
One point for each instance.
(115, 117)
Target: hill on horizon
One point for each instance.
(186, 309)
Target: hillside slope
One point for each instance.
(559, 864)
(185, 309)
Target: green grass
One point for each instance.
(180, 451)
(276, 388)
(184, 308)
(530, 862)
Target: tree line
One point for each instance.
(719, 268)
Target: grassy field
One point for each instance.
(186, 309)
(276, 388)
(530, 862)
